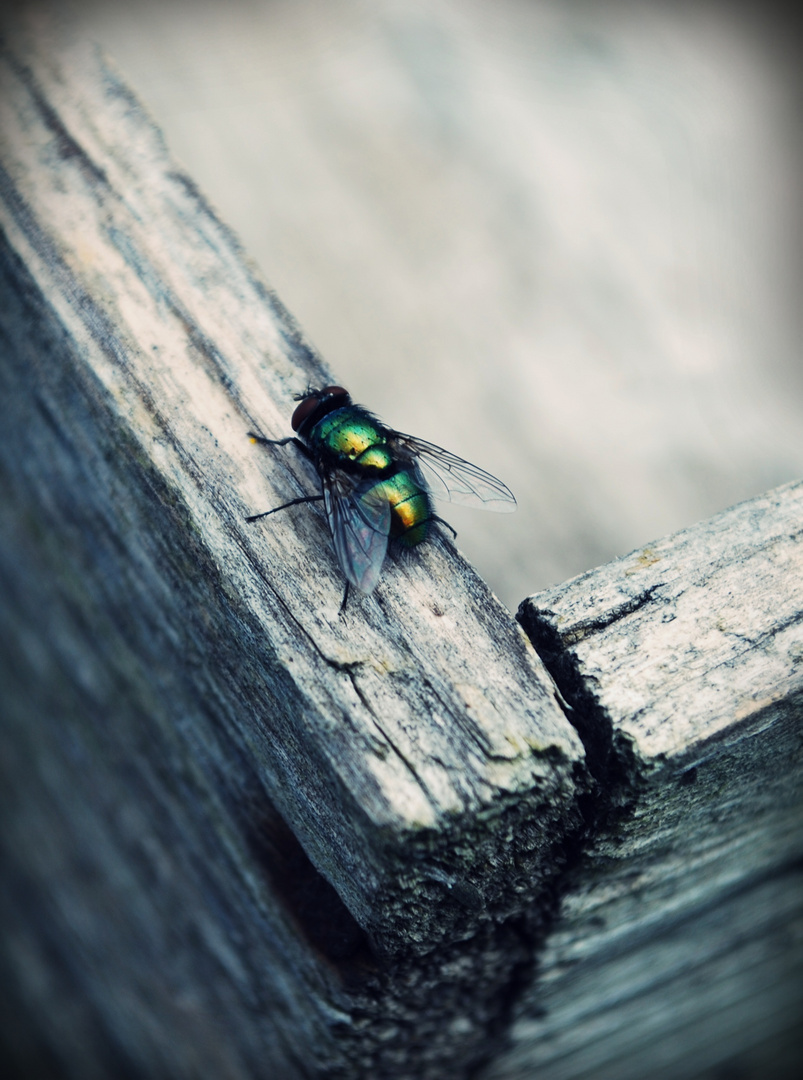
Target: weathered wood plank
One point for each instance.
(677, 949)
(424, 706)
(208, 775)
(196, 748)
(714, 992)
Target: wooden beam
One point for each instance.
(232, 819)
(676, 949)
(243, 834)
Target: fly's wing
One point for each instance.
(359, 518)
(450, 477)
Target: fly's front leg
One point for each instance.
(283, 442)
(252, 435)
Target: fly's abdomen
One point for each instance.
(410, 508)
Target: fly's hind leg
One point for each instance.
(343, 602)
(446, 525)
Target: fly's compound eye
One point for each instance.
(305, 409)
(311, 402)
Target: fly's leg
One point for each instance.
(293, 502)
(342, 611)
(283, 442)
(445, 524)
(252, 435)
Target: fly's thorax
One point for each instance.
(350, 434)
(410, 507)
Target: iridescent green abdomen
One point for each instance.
(411, 511)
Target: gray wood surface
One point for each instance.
(231, 818)
(677, 947)
(240, 833)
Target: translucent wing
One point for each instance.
(359, 518)
(450, 477)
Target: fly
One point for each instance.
(377, 484)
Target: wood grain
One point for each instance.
(231, 819)
(240, 833)
(677, 947)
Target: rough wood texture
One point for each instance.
(213, 787)
(678, 948)
(242, 836)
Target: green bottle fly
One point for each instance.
(377, 484)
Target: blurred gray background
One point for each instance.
(560, 239)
